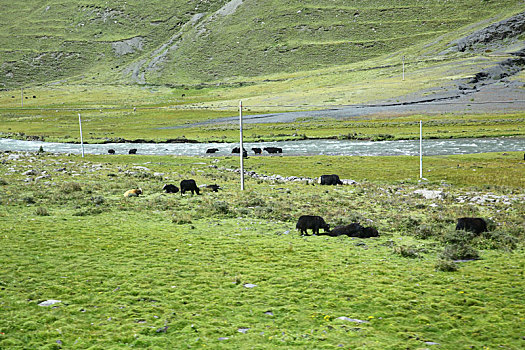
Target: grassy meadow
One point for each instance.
(229, 270)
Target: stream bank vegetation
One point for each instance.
(166, 125)
(229, 270)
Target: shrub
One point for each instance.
(408, 224)
(181, 218)
(88, 212)
(446, 265)
(427, 231)
(98, 200)
(459, 251)
(220, 207)
(262, 212)
(3, 182)
(348, 219)
(458, 237)
(41, 211)
(29, 200)
(497, 239)
(382, 137)
(70, 187)
(406, 251)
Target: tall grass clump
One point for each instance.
(458, 246)
(41, 211)
(70, 187)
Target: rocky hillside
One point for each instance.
(189, 42)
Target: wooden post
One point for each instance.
(403, 68)
(22, 96)
(241, 150)
(81, 139)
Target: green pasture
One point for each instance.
(229, 270)
(162, 124)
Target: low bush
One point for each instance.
(181, 218)
(28, 200)
(427, 231)
(41, 211)
(220, 207)
(497, 239)
(459, 251)
(407, 251)
(98, 200)
(70, 187)
(446, 265)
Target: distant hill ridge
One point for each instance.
(196, 41)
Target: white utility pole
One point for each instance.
(241, 149)
(420, 149)
(81, 139)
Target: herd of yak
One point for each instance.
(256, 150)
(314, 222)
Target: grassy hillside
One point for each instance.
(52, 40)
(228, 270)
(182, 42)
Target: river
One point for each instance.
(290, 148)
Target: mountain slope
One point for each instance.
(189, 42)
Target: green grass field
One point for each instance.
(229, 270)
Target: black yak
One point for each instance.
(169, 188)
(188, 185)
(330, 180)
(311, 222)
(475, 225)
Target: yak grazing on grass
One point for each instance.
(169, 188)
(188, 185)
(330, 180)
(312, 222)
(354, 230)
(475, 225)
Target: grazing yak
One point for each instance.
(256, 150)
(133, 151)
(238, 150)
(135, 192)
(212, 150)
(273, 149)
(330, 180)
(475, 225)
(354, 230)
(188, 185)
(312, 222)
(169, 188)
(111, 151)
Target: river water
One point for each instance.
(290, 148)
